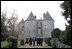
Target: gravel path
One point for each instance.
(31, 46)
(28, 46)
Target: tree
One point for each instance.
(65, 36)
(66, 6)
(8, 25)
(56, 33)
(68, 35)
(12, 22)
(3, 26)
(62, 37)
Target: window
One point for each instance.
(39, 27)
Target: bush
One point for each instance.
(27, 40)
(22, 42)
(47, 40)
(56, 33)
(55, 43)
(4, 44)
(12, 42)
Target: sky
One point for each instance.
(23, 9)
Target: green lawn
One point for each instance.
(18, 44)
(5, 43)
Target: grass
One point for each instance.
(45, 45)
(24, 46)
(4, 44)
(18, 43)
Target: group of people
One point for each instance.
(38, 41)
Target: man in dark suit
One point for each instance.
(37, 41)
(41, 41)
(30, 41)
(34, 41)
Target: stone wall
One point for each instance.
(30, 29)
(47, 27)
(33, 28)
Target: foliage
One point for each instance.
(3, 26)
(55, 43)
(22, 42)
(47, 40)
(11, 39)
(27, 40)
(62, 36)
(12, 42)
(4, 44)
(8, 24)
(68, 35)
(56, 33)
(66, 6)
(65, 37)
(46, 45)
(12, 24)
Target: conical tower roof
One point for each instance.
(22, 21)
(31, 16)
(47, 16)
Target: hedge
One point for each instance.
(55, 43)
(12, 42)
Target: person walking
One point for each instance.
(41, 41)
(37, 41)
(33, 41)
(30, 41)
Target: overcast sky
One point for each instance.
(23, 9)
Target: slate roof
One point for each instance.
(47, 16)
(22, 20)
(31, 17)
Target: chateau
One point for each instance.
(32, 27)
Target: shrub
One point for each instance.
(12, 42)
(47, 40)
(55, 43)
(27, 40)
(22, 42)
(4, 44)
